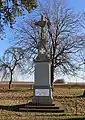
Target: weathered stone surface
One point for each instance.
(42, 87)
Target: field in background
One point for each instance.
(68, 97)
(30, 84)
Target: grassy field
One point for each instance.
(68, 99)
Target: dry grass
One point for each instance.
(70, 99)
(64, 97)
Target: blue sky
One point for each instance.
(5, 43)
(75, 5)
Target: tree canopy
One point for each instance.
(9, 9)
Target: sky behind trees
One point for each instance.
(75, 5)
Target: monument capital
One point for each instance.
(41, 23)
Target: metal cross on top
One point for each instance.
(42, 25)
(42, 41)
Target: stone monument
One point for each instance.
(42, 92)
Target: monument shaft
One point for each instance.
(42, 93)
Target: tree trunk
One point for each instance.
(83, 94)
(52, 74)
(10, 80)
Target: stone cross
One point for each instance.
(42, 41)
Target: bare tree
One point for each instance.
(63, 45)
(12, 59)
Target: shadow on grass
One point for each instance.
(26, 108)
(29, 107)
(17, 108)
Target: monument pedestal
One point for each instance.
(42, 93)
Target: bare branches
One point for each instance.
(11, 60)
(61, 34)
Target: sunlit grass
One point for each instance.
(66, 98)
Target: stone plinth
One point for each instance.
(42, 88)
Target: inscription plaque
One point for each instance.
(41, 92)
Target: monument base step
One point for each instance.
(41, 110)
(43, 100)
(39, 104)
(42, 107)
(30, 107)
